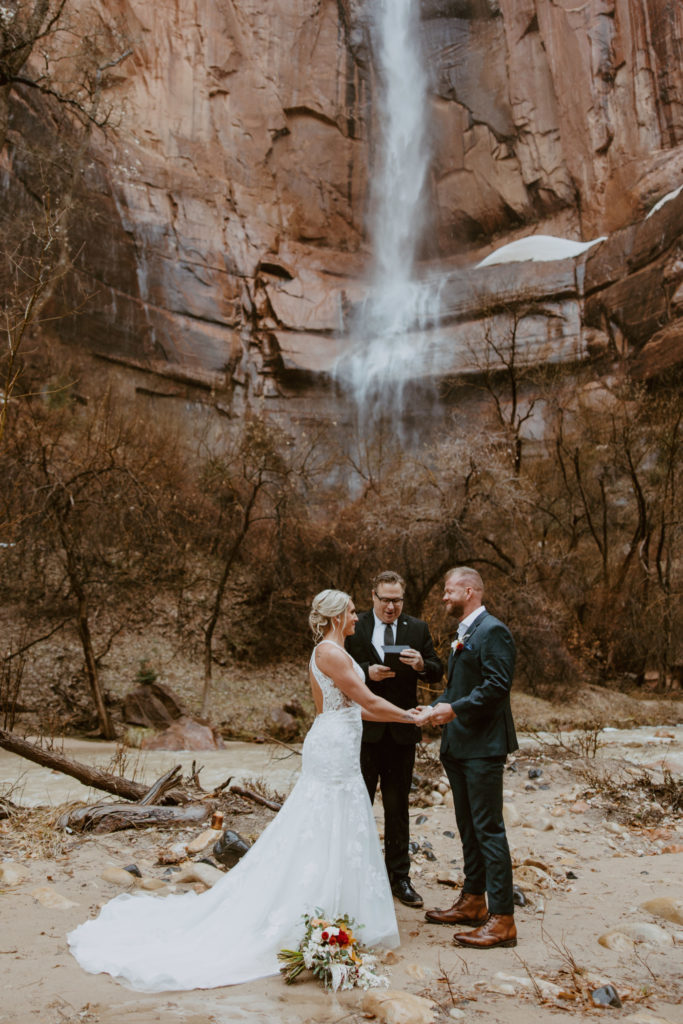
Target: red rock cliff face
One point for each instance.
(223, 224)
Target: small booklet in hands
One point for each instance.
(392, 655)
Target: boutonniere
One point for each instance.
(459, 643)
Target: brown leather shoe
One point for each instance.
(469, 908)
(499, 930)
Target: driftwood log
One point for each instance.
(256, 797)
(113, 817)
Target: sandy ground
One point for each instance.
(582, 870)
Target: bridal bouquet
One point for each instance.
(332, 952)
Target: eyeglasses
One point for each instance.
(389, 600)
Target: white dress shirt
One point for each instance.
(465, 624)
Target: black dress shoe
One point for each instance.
(403, 891)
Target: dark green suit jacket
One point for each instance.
(479, 682)
(401, 689)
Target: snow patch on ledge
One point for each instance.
(665, 199)
(540, 248)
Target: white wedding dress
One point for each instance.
(321, 851)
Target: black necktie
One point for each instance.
(388, 638)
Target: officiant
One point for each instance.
(396, 653)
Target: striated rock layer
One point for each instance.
(220, 233)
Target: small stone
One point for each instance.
(118, 876)
(511, 815)
(421, 818)
(391, 1006)
(579, 807)
(623, 938)
(533, 876)
(571, 875)
(662, 906)
(172, 854)
(503, 988)
(203, 873)
(437, 797)
(449, 834)
(518, 897)
(133, 869)
(230, 848)
(151, 884)
(12, 873)
(535, 773)
(606, 995)
(200, 842)
(49, 897)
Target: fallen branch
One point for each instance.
(88, 775)
(250, 795)
(161, 786)
(113, 817)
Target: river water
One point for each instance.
(30, 785)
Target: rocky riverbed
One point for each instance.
(597, 846)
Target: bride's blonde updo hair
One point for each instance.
(327, 606)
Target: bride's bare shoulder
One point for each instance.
(328, 654)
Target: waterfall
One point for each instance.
(385, 329)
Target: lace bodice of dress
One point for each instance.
(333, 698)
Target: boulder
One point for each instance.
(185, 734)
(151, 705)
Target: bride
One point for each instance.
(321, 852)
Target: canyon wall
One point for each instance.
(220, 235)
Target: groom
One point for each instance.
(477, 736)
(387, 753)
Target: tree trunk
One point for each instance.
(218, 598)
(83, 626)
(86, 774)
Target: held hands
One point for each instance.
(440, 713)
(420, 716)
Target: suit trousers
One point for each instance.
(391, 764)
(477, 785)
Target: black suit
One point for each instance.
(474, 746)
(388, 748)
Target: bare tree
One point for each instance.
(46, 47)
(252, 490)
(94, 500)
